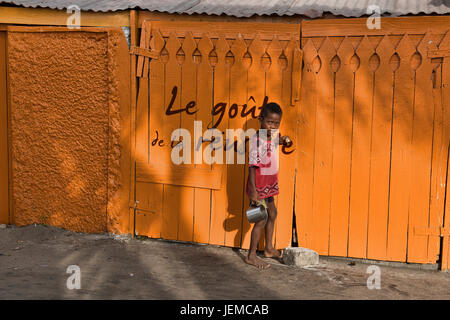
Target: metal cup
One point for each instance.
(256, 213)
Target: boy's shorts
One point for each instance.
(269, 200)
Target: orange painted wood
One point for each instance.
(399, 167)
(144, 44)
(188, 89)
(207, 71)
(178, 175)
(4, 174)
(359, 183)
(186, 214)
(219, 199)
(445, 45)
(306, 144)
(289, 124)
(149, 209)
(204, 95)
(173, 195)
(202, 212)
(147, 34)
(235, 172)
(204, 98)
(255, 98)
(276, 82)
(157, 103)
(142, 121)
(323, 144)
(273, 90)
(177, 203)
(445, 250)
(229, 30)
(445, 253)
(422, 143)
(187, 92)
(400, 190)
(438, 165)
(296, 74)
(380, 151)
(342, 139)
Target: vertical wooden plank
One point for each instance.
(286, 176)
(133, 86)
(380, 152)
(188, 93)
(438, 164)
(4, 192)
(204, 88)
(445, 45)
(422, 142)
(255, 98)
(157, 103)
(202, 204)
(306, 138)
(401, 154)
(173, 197)
(235, 174)
(142, 120)
(219, 205)
(445, 253)
(359, 185)
(188, 89)
(150, 111)
(273, 89)
(340, 179)
(148, 214)
(265, 64)
(172, 90)
(323, 144)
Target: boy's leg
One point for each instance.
(272, 211)
(252, 258)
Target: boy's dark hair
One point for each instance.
(271, 107)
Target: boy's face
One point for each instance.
(270, 122)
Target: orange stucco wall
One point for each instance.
(69, 98)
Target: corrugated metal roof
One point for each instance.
(247, 8)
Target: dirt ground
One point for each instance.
(34, 261)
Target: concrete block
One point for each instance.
(2, 226)
(300, 257)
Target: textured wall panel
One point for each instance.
(60, 100)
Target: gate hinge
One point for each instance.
(436, 231)
(438, 53)
(144, 52)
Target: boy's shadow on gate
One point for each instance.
(236, 222)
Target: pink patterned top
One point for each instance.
(263, 156)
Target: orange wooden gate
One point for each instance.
(373, 148)
(4, 193)
(219, 74)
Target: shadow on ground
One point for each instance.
(34, 260)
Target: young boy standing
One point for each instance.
(262, 183)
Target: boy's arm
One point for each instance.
(252, 184)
